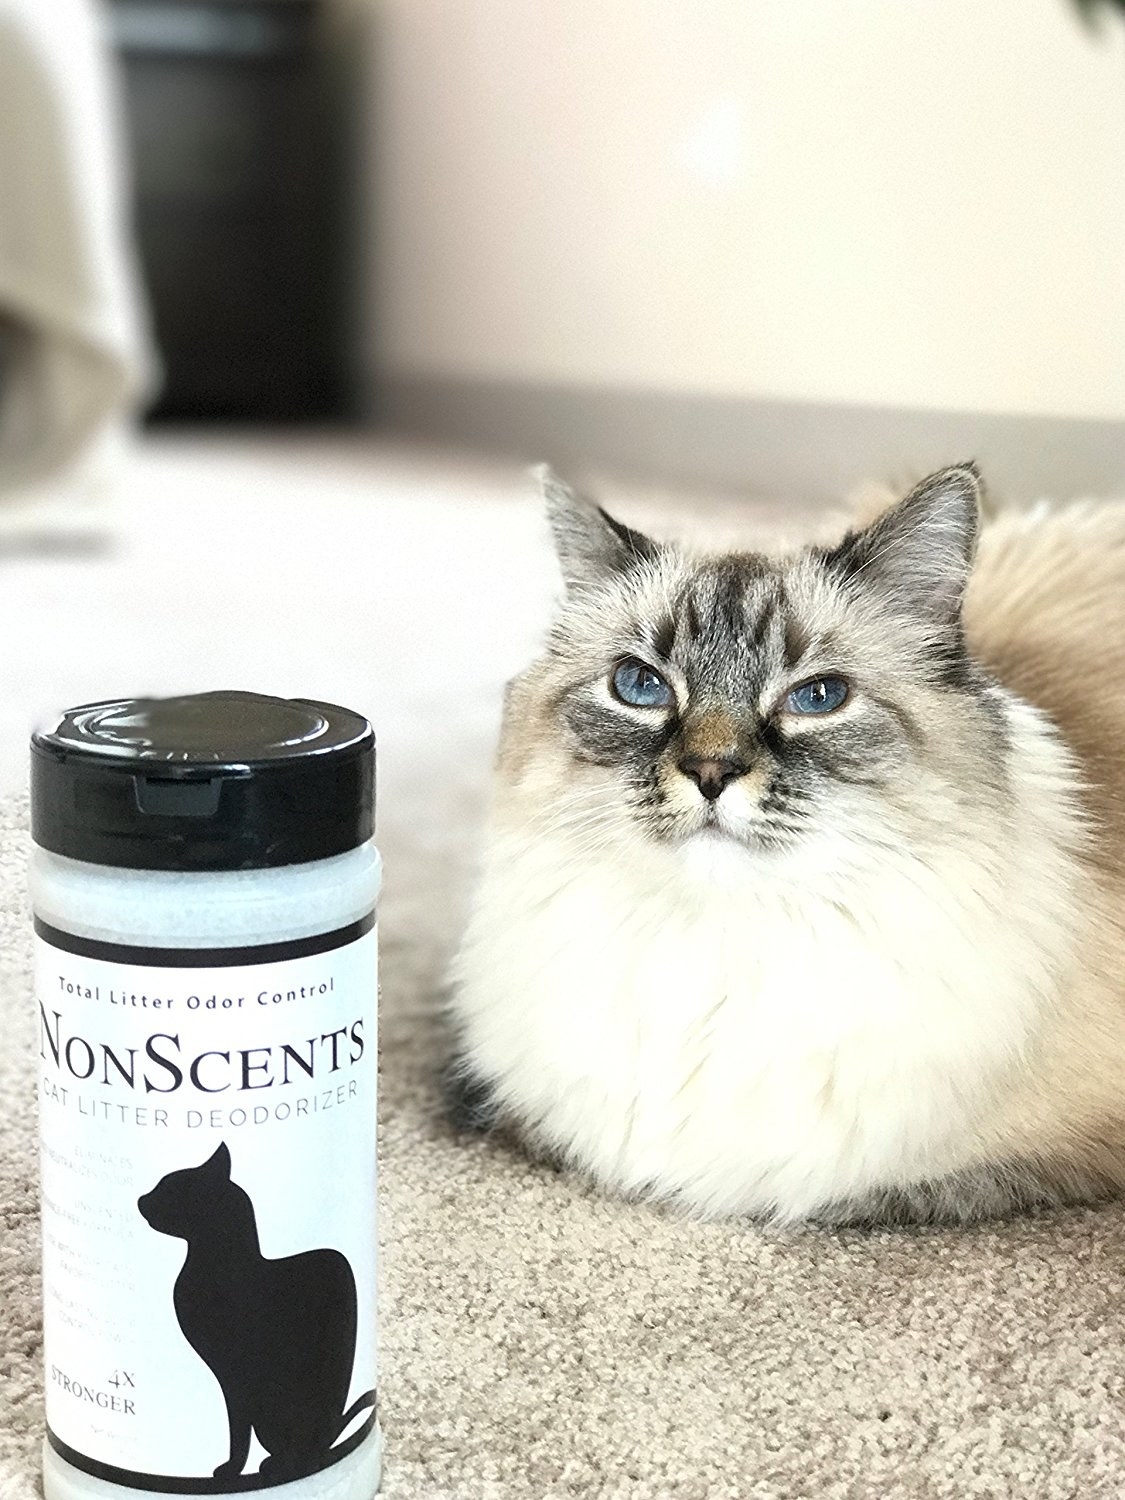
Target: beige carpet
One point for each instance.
(539, 1342)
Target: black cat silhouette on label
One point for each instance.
(278, 1335)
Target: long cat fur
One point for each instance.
(892, 992)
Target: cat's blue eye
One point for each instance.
(820, 696)
(640, 686)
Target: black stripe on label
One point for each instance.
(203, 958)
(200, 1484)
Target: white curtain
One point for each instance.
(74, 357)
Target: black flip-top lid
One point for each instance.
(213, 781)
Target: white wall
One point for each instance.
(882, 201)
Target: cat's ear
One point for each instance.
(219, 1161)
(920, 551)
(590, 544)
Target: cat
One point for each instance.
(803, 893)
(278, 1335)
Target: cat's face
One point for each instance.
(764, 702)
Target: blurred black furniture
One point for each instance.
(235, 151)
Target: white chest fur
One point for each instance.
(693, 1026)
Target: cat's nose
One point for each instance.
(712, 773)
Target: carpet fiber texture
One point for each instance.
(540, 1341)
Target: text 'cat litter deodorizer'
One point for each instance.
(204, 887)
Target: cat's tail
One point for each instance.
(361, 1403)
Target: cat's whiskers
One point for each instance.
(594, 829)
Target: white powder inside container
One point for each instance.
(221, 909)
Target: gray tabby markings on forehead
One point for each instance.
(917, 557)
(729, 596)
(775, 624)
(737, 603)
(691, 617)
(765, 614)
(796, 640)
(661, 637)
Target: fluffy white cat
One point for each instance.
(803, 888)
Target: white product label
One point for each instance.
(208, 1184)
